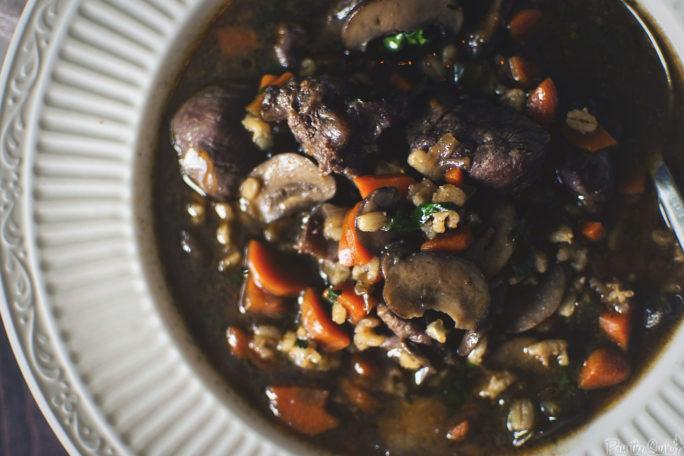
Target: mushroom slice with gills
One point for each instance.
(362, 21)
(492, 250)
(214, 150)
(286, 184)
(543, 301)
(440, 282)
(313, 240)
(389, 201)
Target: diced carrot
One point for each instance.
(350, 250)
(366, 184)
(359, 397)
(455, 176)
(543, 102)
(633, 184)
(456, 241)
(617, 327)
(264, 266)
(591, 142)
(458, 432)
(318, 323)
(594, 231)
(237, 41)
(603, 368)
(525, 24)
(357, 307)
(523, 71)
(301, 408)
(254, 107)
(238, 341)
(256, 299)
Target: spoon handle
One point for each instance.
(670, 200)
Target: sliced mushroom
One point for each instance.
(531, 309)
(440, 282)
(214, 151)
(492, 250)
(404, 329)
(479, 40)
(313, 240)
(284, 185)
(365, 20)
(389, 201)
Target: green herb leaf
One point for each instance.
(523, 268)
(394, 43)
(403, 221)
(459, 388)
(301, 343)
(568, 376)
(332, 295)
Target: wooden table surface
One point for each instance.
(23, 430)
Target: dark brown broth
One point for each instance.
(617, 70)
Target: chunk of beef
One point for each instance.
(590, 176)
(290, 40)
(496, 145)
(341, 135)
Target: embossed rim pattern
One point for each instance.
(84, 303)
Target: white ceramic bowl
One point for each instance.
(84, 303)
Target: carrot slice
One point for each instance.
(594, 231)
(269, 274)
(359, 397)
(254, 107)
(357, 307)
(256, 299)
(458, 432)
(523, 71)
(350, 251)
(455, 176)
(543, 102)
(238, 341)
(366, 184)
(301, 408)
(525, 24)
(603, 368)
(237, 41)
(456, 241)
(617, 327)
(591, 142)
(318, 323)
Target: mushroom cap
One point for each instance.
(369, 19)
(289, 183)
(440, 282)
(543, 301)
(492, 250)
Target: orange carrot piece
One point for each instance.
(455, 176)
(254, 107)
(273, 277)
(301, 408)
(543, 102)
(594, 231)
(633, 184)
(237, 41)
(458, 432)
(357, 307)
(359, 397)
(318, 323)
(525, 23)
(350, 251)
(256, 299)
(456, 241)
(523, 71)
(617, 327)
(238, 341)
(603, 368)
(366, 184)
(591, 142)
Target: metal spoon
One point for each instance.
(669, 196)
